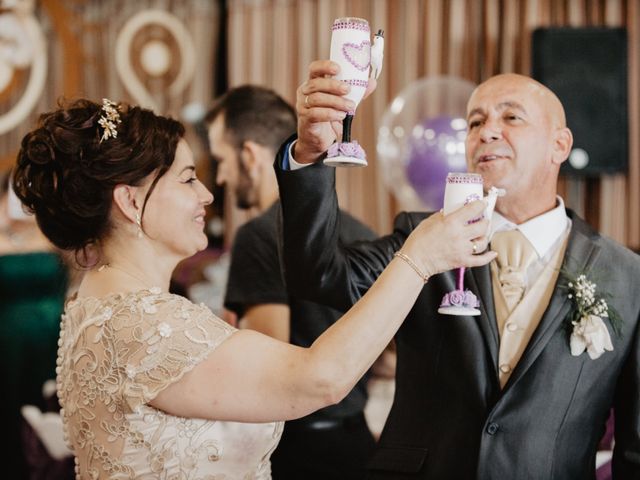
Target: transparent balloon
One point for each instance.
(421, 139)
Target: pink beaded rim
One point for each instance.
(351, 25)
(464, 178)
(357, 83)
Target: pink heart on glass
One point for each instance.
(358, 55)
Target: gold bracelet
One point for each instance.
(411, 263)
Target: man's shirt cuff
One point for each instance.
(288, 162)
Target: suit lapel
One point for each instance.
(580, 256)
(478, 280)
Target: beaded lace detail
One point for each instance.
(115, 355)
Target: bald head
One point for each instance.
(513, 82)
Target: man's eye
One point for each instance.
(474, 123)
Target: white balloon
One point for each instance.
(426, 118)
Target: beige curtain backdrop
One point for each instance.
(271, 42)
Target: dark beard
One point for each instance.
(243, 204)
(246, 195)
(246, 191)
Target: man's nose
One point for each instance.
(490, 131)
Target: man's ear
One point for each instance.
(250, 156)
(124, 198)
(562, 144)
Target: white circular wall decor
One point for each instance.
(155, 57)
(22, 44)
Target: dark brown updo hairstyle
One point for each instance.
(66, 175)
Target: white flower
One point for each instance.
(590, 334)
(589, 330)
(164, 329)
(148, 305)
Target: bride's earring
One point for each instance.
(139, 223)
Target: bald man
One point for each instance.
(506, 394)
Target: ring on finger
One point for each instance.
(306, 101)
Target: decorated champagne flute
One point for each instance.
(460, 189)
(351, 49)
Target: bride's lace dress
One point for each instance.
(116, 354)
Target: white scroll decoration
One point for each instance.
(22, 44)
(155, 55)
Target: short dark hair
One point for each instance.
(66, 175)
(254, 113)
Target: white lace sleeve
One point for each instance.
(170, 336)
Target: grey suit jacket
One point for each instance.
(450, 419)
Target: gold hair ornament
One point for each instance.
(109, 119)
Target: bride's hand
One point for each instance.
(440, 243)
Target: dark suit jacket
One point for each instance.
(450, 419)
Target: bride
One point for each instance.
(150, 384)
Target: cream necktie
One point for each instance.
(515, 254)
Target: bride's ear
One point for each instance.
(124, 199)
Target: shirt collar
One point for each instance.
(542, 231)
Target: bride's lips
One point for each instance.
(200, 218)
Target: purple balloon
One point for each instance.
(436, 147)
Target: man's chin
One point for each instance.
(491, 178)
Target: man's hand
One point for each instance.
(321, 108)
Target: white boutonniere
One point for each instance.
(586, 321)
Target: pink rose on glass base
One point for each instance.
(349, 150)
(460, 302)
